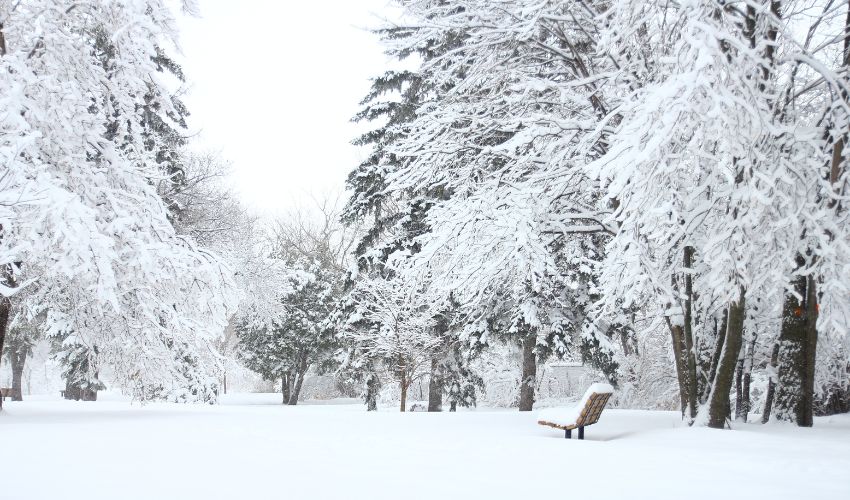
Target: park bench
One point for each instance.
(586, 412)
(9, 392)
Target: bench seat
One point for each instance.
(586, 412)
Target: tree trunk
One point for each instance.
(745, 401)
(690, 353)
(771, 384)
(72, 392)
(718, 350)
(2, 47)
(529, 371)
(797, 343)
(742, 406)
(5, 308)
(76, 392)
(812, 311)
(718, 408)
(18, 358)
(704, 364)
(404, 383)
(89, 394)
(372, 387)
(284, 389)
(435, 387)
(681, 376)
(295, 393)
(739, 393)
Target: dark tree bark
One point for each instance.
(284, 388)
(404, 384)
(296, 389)
(681, 375)
(72, 392)
(681, 352)
(88, 395)
(812, 312)
(690, 352)
(771, 385)
(628, 350)
(529, 371)
(718, 347)
(17, 358)
(5, 309)
(296, 380)
(373, 385)
(739, 380)
(77, 393)
(2, 45)
(718, 408)
(742, 405)
(797, 345)
(718, 350)
(745, 401)
(435, 387)
(704, 364)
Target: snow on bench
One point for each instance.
(586, 412)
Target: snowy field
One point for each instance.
(249, 447)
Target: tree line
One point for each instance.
(595, 179)
(120, 245)
(657, 189)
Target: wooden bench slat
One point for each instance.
(557, 426)
(589, 414)
(9, 392)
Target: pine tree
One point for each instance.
(394, 219)
(300, 338)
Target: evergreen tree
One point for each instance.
(300, 337)
(393, 220)
(80, 368)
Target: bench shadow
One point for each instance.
(619, 435)
(601, 437)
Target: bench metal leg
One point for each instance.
(581, 432)
(568, 433)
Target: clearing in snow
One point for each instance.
(251, 447)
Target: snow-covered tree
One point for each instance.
(390, 328)
(507, 113)
(291, 331)
(717, 167)
(300, 337)
(617, 174)
(23, 334)
(82, 224)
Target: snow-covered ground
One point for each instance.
(249, 447)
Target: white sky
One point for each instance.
(273, 86)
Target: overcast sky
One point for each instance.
(273, 86)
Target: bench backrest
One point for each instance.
(593, 409)
(9, 392)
